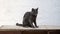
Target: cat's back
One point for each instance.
(27, 14)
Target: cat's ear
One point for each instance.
(37, 9)
(32, 9)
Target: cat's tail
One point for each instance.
(17, 24)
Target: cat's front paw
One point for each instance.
(37, 26)
(32, 27)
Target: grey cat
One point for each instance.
(29, 18)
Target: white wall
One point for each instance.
(12, 11)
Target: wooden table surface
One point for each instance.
(42, 27)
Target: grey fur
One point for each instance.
(29, 18)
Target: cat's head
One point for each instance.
(35, 11)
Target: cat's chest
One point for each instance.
(32, 16)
